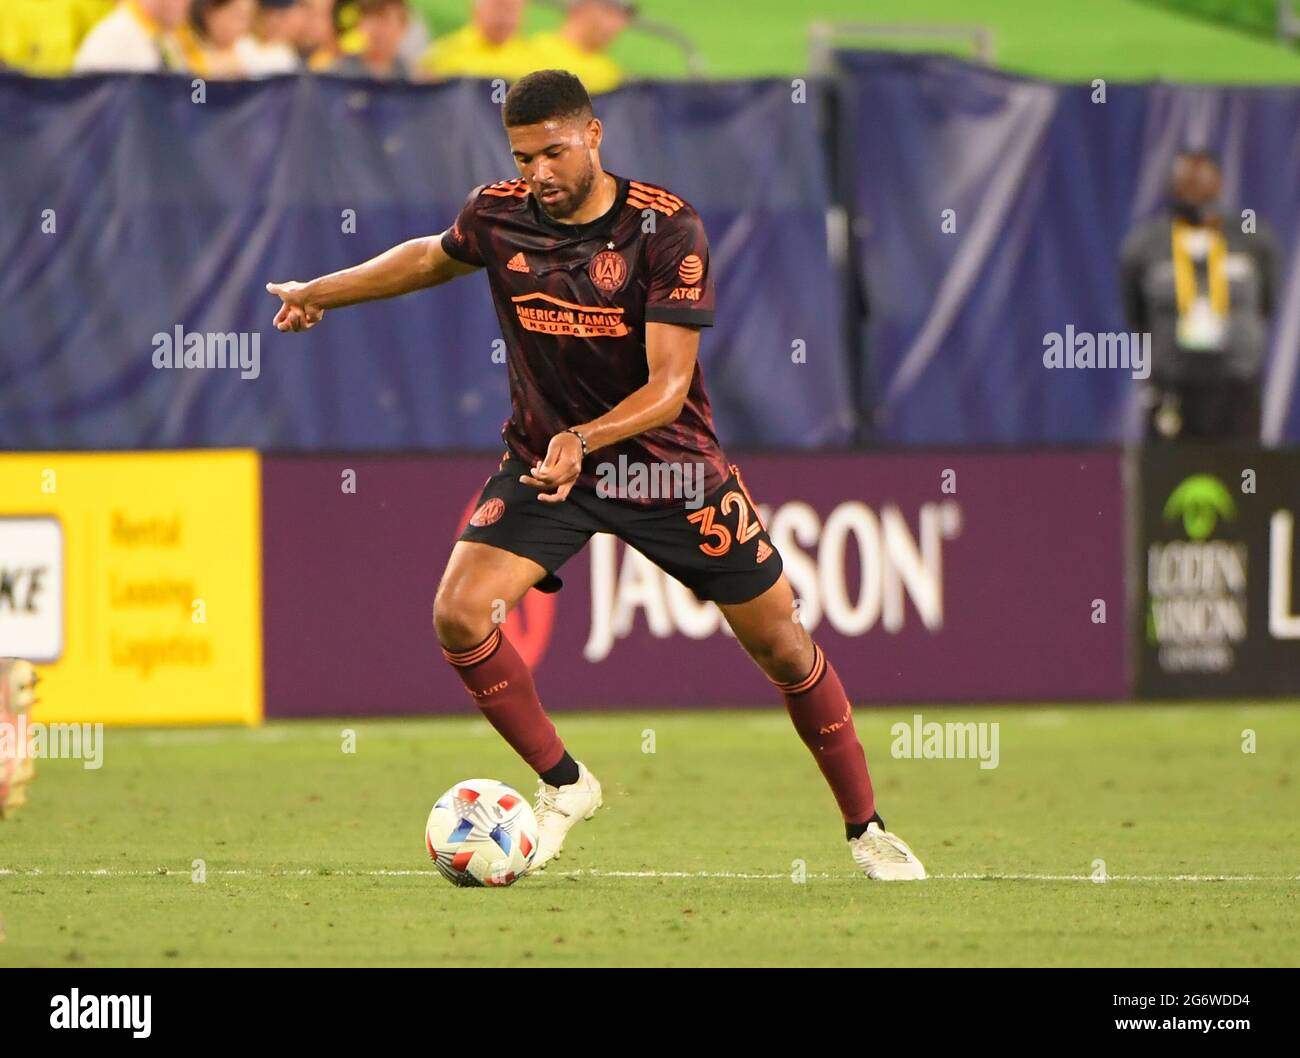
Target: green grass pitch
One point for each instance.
(315, 857)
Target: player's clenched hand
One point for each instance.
(556, 474)
(296, 313)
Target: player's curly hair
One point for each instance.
(545, 94)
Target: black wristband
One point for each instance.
(582, 440)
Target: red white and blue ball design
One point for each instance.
(481, 832)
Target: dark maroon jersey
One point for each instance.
(574, 301)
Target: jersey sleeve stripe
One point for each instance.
(657, 192)
(637, 202)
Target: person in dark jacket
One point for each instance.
(1203, 283)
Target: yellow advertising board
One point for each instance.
(133, 582)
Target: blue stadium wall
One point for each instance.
(130, 210)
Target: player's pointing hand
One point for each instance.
(556, 474)
(297, 313)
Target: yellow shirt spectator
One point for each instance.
(42, 36)
(597, 72)
(469, 53)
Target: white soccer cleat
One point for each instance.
(558, 808)
(885, 857)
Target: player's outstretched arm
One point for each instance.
(412, 265)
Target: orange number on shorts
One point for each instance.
(744, 530)
(708, 527)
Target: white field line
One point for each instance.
(37, 872)
(328, 729)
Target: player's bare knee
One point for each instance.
(789, 666)
(784, 654)
(458, 620)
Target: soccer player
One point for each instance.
(601, 285)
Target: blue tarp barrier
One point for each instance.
(1044, 183)
(168, 212)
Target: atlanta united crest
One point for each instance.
(608, 270)
(488, 512)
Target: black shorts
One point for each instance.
(720, 550)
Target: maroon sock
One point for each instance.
(502, 687)
(824, 719)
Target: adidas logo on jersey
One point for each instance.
(517, 263)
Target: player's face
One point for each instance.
(558, 160)
(1196, 180)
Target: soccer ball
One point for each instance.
(481, 832)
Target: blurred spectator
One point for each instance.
(489, 45)
(317, 42)
(1205, 290)
(140, 36)
(219, 26)
(578, 45)
(270, 49)
(42, 36)
(383, 25)
(415, 42)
